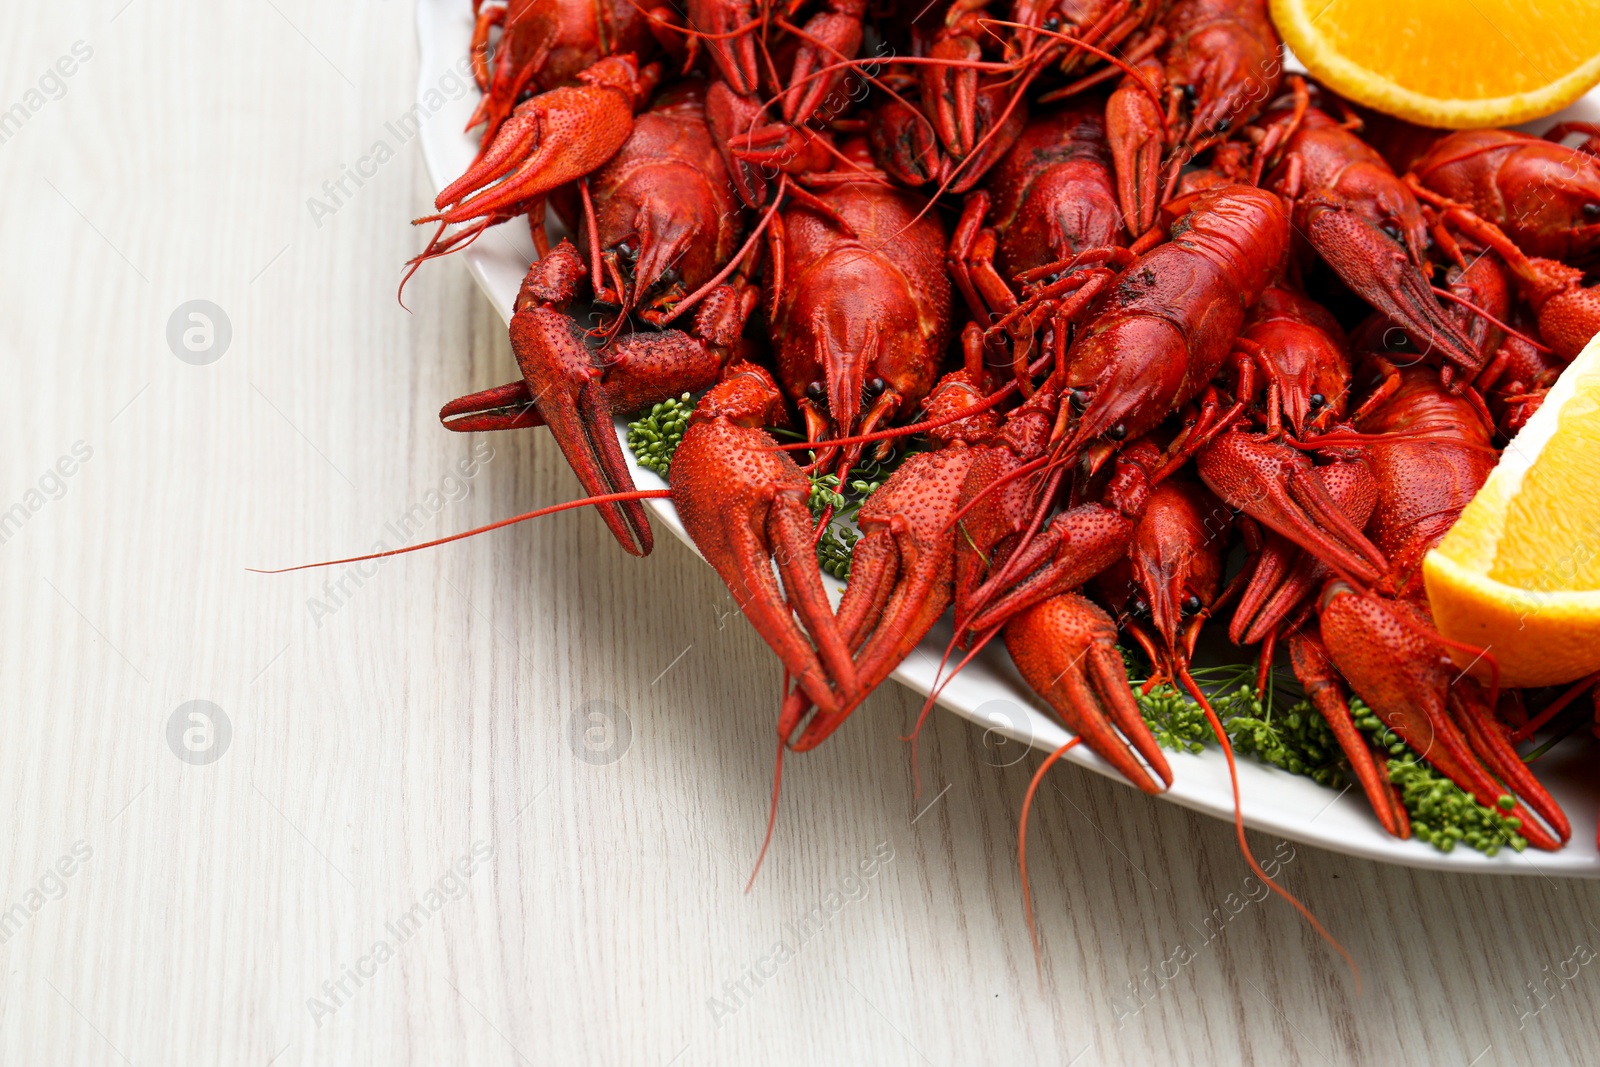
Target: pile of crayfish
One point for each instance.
(1141, 329)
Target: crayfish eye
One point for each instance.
(1191, 605)
(1392, 228)
(1316, 400)
(1079, 398)
(815, 391)
(1053, 23)
(1591, 210)
(1117, 432)
(876, 386)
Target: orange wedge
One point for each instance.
(1519, 573)
(1448, 63)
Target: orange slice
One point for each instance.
(1519, 573)
(1446, 63)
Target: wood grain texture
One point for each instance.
(375, 745)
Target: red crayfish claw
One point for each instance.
(575, 391)
(1136, 130)
(1378, 269)
(1066, 649)
(549, 140)
(1283, 576)
(900, 579)
(743, 503)
(1325, 688)
(1275, 483)
(728, 27)
(950, 86)
(903, 568)
(1392, 658)
(828, 37)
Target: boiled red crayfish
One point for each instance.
(1544, 195)
(1051, 197)
(665, 217)
(858, 299)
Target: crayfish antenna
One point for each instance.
(1238, 824)
(772, 813)
(1022, 850)
(608, 498)
(441, 245)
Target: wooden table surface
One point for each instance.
(497, 802)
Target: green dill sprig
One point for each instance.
(1176, 721)
(1442, 813)
(825, 494)
(836, 550)
(1301, 742)
(654, 435)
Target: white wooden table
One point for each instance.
(417, 843)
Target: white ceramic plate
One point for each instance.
(989, 691)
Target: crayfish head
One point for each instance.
(1124, 379)
(1393, 209)
(861, 354)
(1179, 557)
(1316, 397)
(662, 245)
(1301, 346)
(1173, 571)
